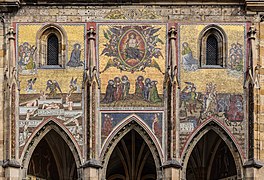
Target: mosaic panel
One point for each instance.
(27, 46)
(110, 120)
(231, 77)
(132, 61)
(212, 92)
(50, 93)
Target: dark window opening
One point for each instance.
(211, 51)
(53, 50)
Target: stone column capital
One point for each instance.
(91, 33)
(252, 32)
(11, 33)
(172, 32)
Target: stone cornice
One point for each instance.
(130, 2)
(255, 5)
(9, 5)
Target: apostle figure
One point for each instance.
(153, 93)
(107, 125)
(118, 89)
(155, 126)
(75, 56)
(109, 94)
(125, 87)
(189, 63)
(147, 86)
(139, 86)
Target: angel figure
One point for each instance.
(30, 84)
(73, 85)
(53, 86)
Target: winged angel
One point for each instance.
(53, 87)
(132, 48)
(73, 86)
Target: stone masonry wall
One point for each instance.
(158, 13)
(186, 14)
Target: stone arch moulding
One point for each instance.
(41, 42)
(44, 128)
(221, 37)
(132, 122)
(213, 124)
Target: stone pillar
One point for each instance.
(91, 170)
(172, 167)
(2, 81)
(253, 164)
(92, 164)
(172, 170)
(11, 165)
(91, 52)
(11, 39)
(173, 57)
(12, 169)
(174, 94)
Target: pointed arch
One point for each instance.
(132, 122)
(41, 131)
(43, 36)
(213, 124)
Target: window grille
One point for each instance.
(53, 50)
(211, 51)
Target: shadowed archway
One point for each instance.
(131, 159)
(52, 159)
(211, 159)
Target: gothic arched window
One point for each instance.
(51, 46)
(53, 50)
(213, 44)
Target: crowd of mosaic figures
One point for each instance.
(118, 89)
(194, 104)
(26, 57)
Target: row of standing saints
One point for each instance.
(118, 89)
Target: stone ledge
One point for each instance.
(9, 6)
(10, 163)
(172, 164)
(254, 5)
(92, 163)
(252, 163)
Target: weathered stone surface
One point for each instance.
(186, 13)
